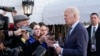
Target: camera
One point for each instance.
(9, 9)
(26, 28)
(3, 22)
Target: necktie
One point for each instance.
(67, 35)
(93, 41)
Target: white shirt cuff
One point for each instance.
(61, 51)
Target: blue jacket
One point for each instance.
(76, 44)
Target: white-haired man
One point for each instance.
(77, 39)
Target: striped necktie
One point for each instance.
(93, 41)
(67, 35)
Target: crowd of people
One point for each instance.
(35, 39)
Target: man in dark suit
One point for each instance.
(94, 29)
(77, 40)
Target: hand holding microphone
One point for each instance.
(56, 45)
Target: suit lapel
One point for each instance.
(89, 30)
(71, 34)
(74, 30)
(98, 28)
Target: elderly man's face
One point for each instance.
(69, 17)
(94, 19)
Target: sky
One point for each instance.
(51, 11)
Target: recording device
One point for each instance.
(3, 22)
(56, 45)
(39, 51)
(26, 28)
(9, 9)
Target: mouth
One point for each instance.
(66, 21)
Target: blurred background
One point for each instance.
(51, 11)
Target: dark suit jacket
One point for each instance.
(50, 52)
(97, 36)
(28, 49)
(76, 44)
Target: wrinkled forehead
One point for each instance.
(72, 10)
(68, 12)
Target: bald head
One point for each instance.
(71, 15)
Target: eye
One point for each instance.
(65, 15)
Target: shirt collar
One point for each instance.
(95, 27)
(74, 25)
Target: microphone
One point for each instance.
(40, 51)
(9, 9)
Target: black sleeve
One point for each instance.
(6, 33)
(34, 45)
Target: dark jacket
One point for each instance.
(97, 36)
(76, 44)
(27, 48)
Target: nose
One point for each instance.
(38, 30)
(65, 18)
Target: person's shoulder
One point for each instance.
(99, 26)
(80, 27)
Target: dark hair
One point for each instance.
(33, 24)
(94, 14)
(51, 34)
(42, 24)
